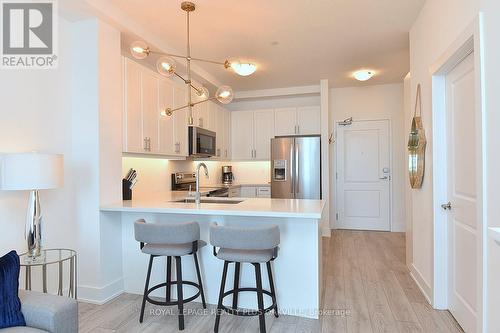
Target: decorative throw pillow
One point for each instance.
(10, 304)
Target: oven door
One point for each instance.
(201, 142)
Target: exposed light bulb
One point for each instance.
(166, 66)
(363, 75)
(203, 92)
(139, 50)
(243, 69)
(224, 94)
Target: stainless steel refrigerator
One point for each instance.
(296, 167)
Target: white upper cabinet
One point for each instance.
(150, 111)
(242, 130)
(297, 121)
(145, 131)
(308, 120)
(180, 122)
(251, 134)
(166, 133)
(285, 121)
(264, 132)
(226, 146)
(133, 140)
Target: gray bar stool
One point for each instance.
(170, 240)
(246, 245)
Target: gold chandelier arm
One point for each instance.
(226, 63)
(198, 90)
(167, 54)
(203, 101)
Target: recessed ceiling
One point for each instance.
(294, 42)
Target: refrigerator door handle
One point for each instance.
(297, 168)
(292, 170)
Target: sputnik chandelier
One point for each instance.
(166, 66)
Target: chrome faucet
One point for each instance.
(198, 194)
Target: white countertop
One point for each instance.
(263, 207)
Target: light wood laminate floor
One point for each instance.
(367, 288)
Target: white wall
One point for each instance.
(440, 22)
(36, 115)
(375, 102)
(438, 25)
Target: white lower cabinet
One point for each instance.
(264, 192)
(248, 192)
(234, 192)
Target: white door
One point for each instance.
(308, 120)
(242, 135)
(285, 121)
(363, 176)
(264, 132)
(462, 193)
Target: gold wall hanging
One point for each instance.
(416, 145)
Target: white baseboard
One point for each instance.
(101, 295)
(421, 283)
(398, 227)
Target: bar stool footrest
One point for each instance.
(164, 284)
(246, 313)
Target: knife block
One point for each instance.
(126, 190)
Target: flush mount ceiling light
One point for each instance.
(363, 75)
(166, 66)
(243, 69)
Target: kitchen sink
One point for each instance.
(211, 201)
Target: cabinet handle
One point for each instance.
(225, 153)
(218, 152)
(145, 146)
(298, 129)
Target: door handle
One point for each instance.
(385, 177)
(297, 168)
(446, 206)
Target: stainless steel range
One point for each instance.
(186, 181)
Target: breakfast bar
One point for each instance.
(297, 269)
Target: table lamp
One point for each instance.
(32, 172)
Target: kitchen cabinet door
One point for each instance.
(263, 133)
(212, 116)
(227, 134)
(180, 122)
(248, 192)
(217, 115)
(133, 138)
(201, 114)
(150, 112)
(264, 192)
(166, 99)
(308, 120)
(285, 121)
(242, 135)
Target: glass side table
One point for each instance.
(52, 257)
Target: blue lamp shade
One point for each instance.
(10, 305)
(31, 171)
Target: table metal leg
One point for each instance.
(71, 272)
(44, 278)
(76, 278)
(28, 274)
(59, 291)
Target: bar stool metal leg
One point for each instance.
(202, 293)
(260, 298)
(221, 297)
(146, 287)
(271, 285)
(169, 279)
(180, 296)
(236, 285)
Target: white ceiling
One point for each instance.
(294, 42)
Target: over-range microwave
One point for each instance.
(202, 142)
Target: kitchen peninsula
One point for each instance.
(297, 269)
